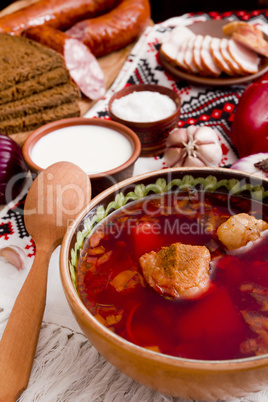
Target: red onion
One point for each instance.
(249, 131)
(12, 169)
(256, 164)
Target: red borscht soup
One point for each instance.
(228, 321)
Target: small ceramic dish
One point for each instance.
(152, 134)
(105, 150)
(127, 334)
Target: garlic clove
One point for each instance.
(14, 255)
(174, 157)
(177, 137)
(210, 153)
(192, 161)
(191, 130)
(205, 135)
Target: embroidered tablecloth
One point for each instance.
(67, 368)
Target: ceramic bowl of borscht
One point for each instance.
(167, 275)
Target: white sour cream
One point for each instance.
(143, 106)
(94, 149)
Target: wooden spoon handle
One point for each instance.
(18, 343)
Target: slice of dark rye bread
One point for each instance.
(49, 79)
(22, 59)
(35, 120)
(35, 86)
(37, 102)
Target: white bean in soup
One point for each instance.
(143, 106)
(94, 149)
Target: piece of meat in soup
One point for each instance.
(240, 229)
(179, 270)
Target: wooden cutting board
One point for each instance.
(110, 64)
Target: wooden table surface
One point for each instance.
(110, 64)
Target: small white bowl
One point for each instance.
(116, 154)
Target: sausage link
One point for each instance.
(115, 29)
(81, 63)
(61, 14)
(48, 36)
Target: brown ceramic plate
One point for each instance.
(213, 28)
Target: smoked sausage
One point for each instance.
(61, 14)
(81, 63)
(115, 29)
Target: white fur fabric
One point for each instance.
(67, 368)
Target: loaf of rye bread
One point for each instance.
(22, 59)
(49, 79)
(33, 121)
(35, 86)
(37, 102)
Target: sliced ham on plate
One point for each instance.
(180, 60)
(254, 43)
(248, 35)
(245, 58)
(170, 51)
(227, 57)
(207, 58)
(242, 27)
(189, 56)
(197, 56)
(173, 41)
(218, 57)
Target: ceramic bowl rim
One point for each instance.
(231, 365)
(40, 132)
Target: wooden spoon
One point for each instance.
(55, 197)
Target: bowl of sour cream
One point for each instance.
(105, 150)
(150, 110)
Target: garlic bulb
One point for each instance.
(193, 146)
(255, 163)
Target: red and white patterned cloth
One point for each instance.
(89, 377)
